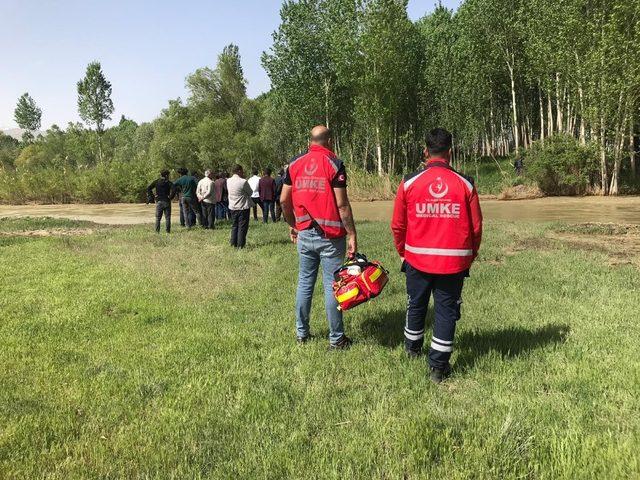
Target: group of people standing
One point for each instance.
(436, 226)
(217, 196)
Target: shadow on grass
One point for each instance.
(507, 342)
(387, 328)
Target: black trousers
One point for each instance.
(239, 227)
(447, 291)
(191, 211)
(181, 205)
(256, 202)
(163, 208)
(209, 215)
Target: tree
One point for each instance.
(94, 100)
(221, 90)
(28, 116)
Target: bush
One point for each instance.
(561, 166)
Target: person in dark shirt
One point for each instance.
(267, 195)
(164, 193)
(188, 185)
(279, 183)
(221, 196)
(181, 171)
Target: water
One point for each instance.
(568, 209)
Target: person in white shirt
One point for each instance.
(253, 183)
(204, 192)
(240, 204)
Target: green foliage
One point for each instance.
(496, 73)
(9, 151)
(28, 116)
(561, 166)
(94, 97)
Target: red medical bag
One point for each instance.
(357, 281)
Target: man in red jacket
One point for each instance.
(437, 230)
(316, 206)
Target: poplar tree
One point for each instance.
(28, 116)
(94, 100)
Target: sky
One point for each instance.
(146, 49)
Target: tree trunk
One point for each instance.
(603, 156)
(366, 153)
(614, 187)
(583, 138)
(632, 146)
(516, 137)
(326, 102)
(493, 131)
(568, 129)
(379, 150)
(541, 113)
(549, 116)
(558, 105)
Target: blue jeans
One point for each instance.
(315, 251)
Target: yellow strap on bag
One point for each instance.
(348, 295)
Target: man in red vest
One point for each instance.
(437, 230)
(316, 207)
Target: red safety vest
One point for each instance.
(437, 221)
(314, 203)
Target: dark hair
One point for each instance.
(268, 171)
(182, 171)
(254, 171)
(281, 172)
(237, 169)
(164, 173)
(438, 141)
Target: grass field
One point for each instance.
(124, 354)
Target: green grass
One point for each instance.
(40, 223)
(124, 354)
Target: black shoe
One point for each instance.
(303, 340)
(413, 354)
(343, 344)
(438, 375)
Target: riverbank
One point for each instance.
(625, 210)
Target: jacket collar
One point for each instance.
(437, 160)
(320, 148)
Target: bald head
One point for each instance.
(320, 135)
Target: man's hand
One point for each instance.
(352, 245)
(293, 234)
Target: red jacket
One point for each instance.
(437, 221)
(312, 177)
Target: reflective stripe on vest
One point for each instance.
(441, 252)
(319, 221)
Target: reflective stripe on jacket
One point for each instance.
(314, 202)
(437, 220)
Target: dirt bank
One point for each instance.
(623, 210)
